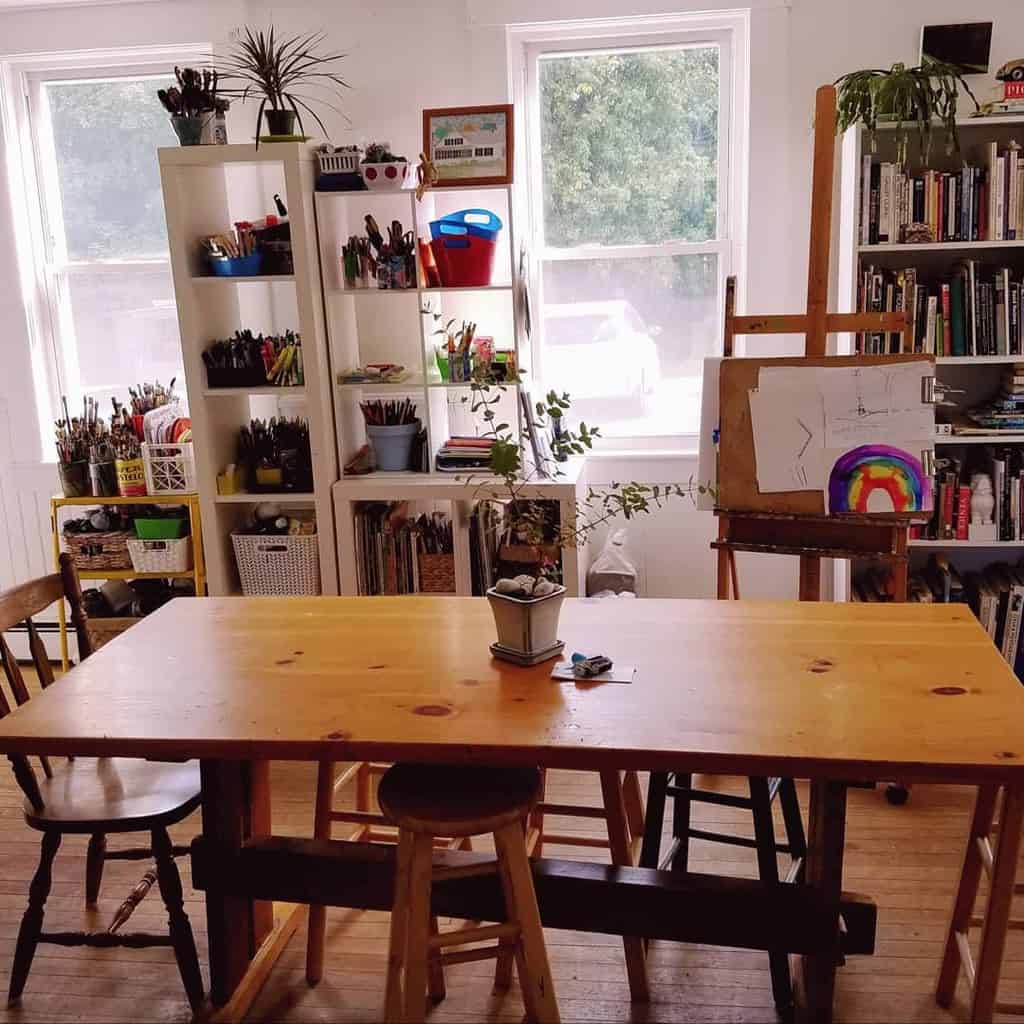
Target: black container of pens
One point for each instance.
(74, 479)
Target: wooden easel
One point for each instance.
(803, 533)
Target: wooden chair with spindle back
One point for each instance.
(95, 797)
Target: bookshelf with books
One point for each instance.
(943, 240)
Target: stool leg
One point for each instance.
(768, 870)
(435, 970)
(317, 926)
(535, 822)
(997, 911)
(634, 803)
(521, 903)
(650, 852)
(418, 929)
(966, 893)
(681, 821)
(618, 843)
(393, 999)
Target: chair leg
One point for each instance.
(650, 852)
(418, 929)
(435, 970)
(796, 838)
(94, 858)
(768, 870)
(535, 979)
(681, 821)
(394, 993)
(32, 921)
(169, 881)
(317, 925)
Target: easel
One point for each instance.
(808, 534)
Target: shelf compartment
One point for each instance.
(254, 498)
(205, 279)
(270, 389)
(938, 246)
(923, 543)
(130, 574)
(951, 439)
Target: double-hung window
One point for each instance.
(93, 234)
(634, 148)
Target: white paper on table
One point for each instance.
(788, 427)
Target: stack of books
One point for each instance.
(983, 202)
(975, 312)
(1005, 412)
(995, 595)
(388, 545)
(465, 455)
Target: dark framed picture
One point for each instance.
(470, 145)
(967, 46)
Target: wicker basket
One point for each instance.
(161, 555)
(170, 469)
(437, 574)
(93, 551)
(102, 631)
(269, 565)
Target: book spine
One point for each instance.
(917, 212)
(865, 199)
(1012, 198)
(885, 205)
(963, 511)
(1011, 631)
(947, 320)
(999, 196)
(930, 333)
(876, 179)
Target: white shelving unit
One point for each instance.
(976, 376)
(206, 189)
(378, 325)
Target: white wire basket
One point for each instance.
(274, 566)
(339, 163)
(161, 555)
(170, 469)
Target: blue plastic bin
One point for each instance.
(239, 266)
(463, 245)
(481, 223)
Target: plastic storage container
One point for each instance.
(272, 566)
(238, 266)
(161, 555)
(160, 527)
(464, 244)
(170, 469)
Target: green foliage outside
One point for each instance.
(106, 135)
(629, 147)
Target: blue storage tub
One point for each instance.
(238, 266)
(481, 223)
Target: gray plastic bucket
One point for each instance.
(392, 446)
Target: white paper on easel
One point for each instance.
(788, 427)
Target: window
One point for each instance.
(93, 231)
(631, 173)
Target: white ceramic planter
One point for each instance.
(387, 177)
(528, 626)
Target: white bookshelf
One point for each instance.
(976, 376)
(206, 189)
(374, 325)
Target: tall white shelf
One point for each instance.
(976, 376)
(206, 189)
(378, 325)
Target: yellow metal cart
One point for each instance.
(197, 573)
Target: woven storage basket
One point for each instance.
(92, 551)
(170, 468)
(269, 566)
(437, 574)
(161, 555)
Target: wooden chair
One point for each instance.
(370, 827)
(426, 801)
(622, 810)
(95, 797)
(763, 792)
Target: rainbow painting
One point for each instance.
(878, 478)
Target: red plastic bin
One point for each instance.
(464, 245)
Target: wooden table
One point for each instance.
(829, 692)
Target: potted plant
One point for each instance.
(287, 74)
(526, 608)
(191, 103)
(923, 96)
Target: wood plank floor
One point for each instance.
(906, 857)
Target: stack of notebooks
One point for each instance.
(388, 543)
(975, 312)
(1005, 412)
(979, 203)
(995, 595)
(952, 505)
(465, 455)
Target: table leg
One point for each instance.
(260, 825)
(826, 837)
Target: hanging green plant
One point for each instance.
(921, 96)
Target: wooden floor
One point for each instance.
(905, 857)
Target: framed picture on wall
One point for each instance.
(470, 145)
(966, 46)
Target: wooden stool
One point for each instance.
(425, 801)
(1000, 867)
(762, 793)
(370, 827)
(623, 812)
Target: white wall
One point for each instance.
(453, 51)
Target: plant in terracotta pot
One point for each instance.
(920, 97)
(286, 73)
(526, 607)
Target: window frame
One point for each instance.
(39, 235)
(527, 45)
